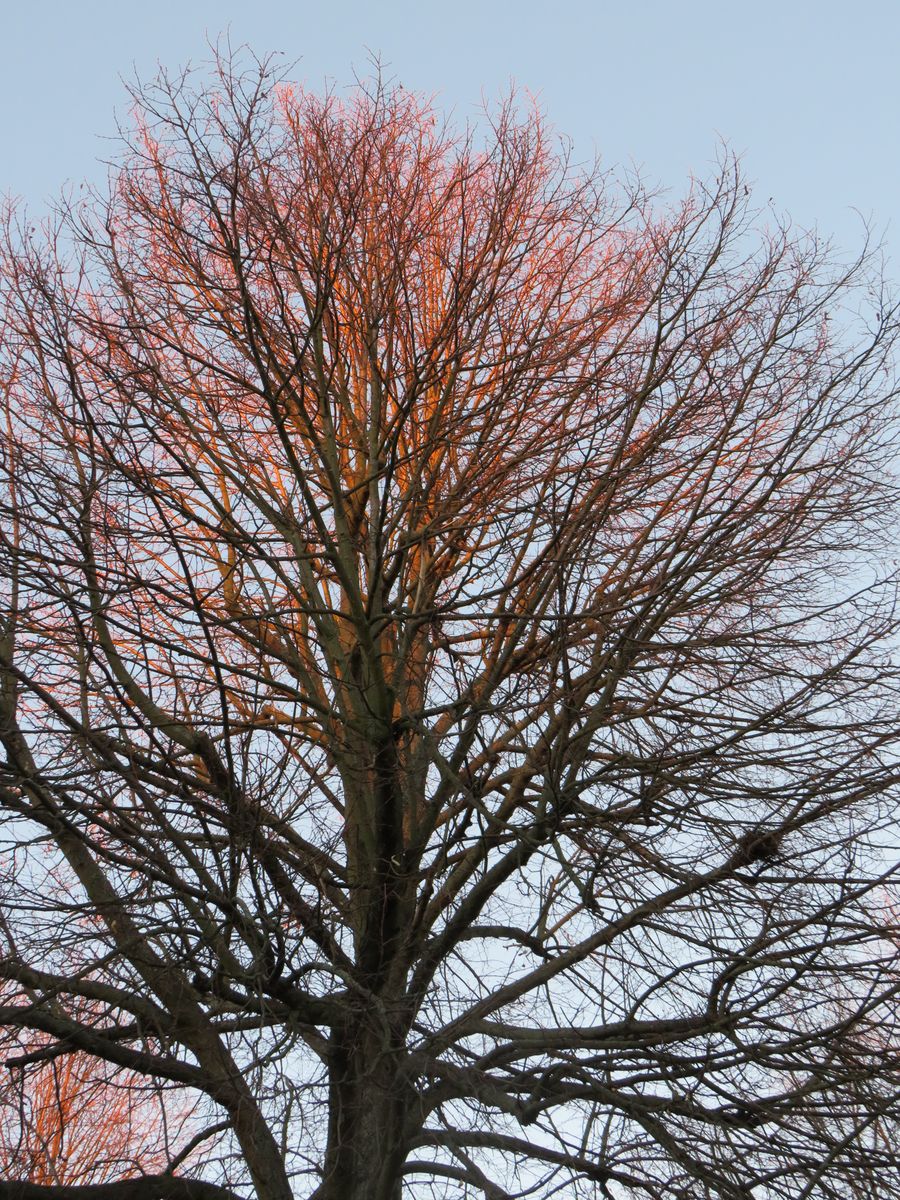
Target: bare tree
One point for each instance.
(449, 721)
(67, 1117)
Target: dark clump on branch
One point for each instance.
(758, 845)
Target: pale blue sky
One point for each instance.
(808, 92)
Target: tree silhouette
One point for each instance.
(447, 702)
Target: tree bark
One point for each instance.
(369, 1110)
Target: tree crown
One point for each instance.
(446, 661)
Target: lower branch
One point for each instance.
(145, 1187)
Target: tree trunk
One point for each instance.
(369, 1111)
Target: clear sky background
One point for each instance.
(807, 91)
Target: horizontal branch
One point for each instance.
(146, 1187)
(489, 1140)
(97, 1043)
